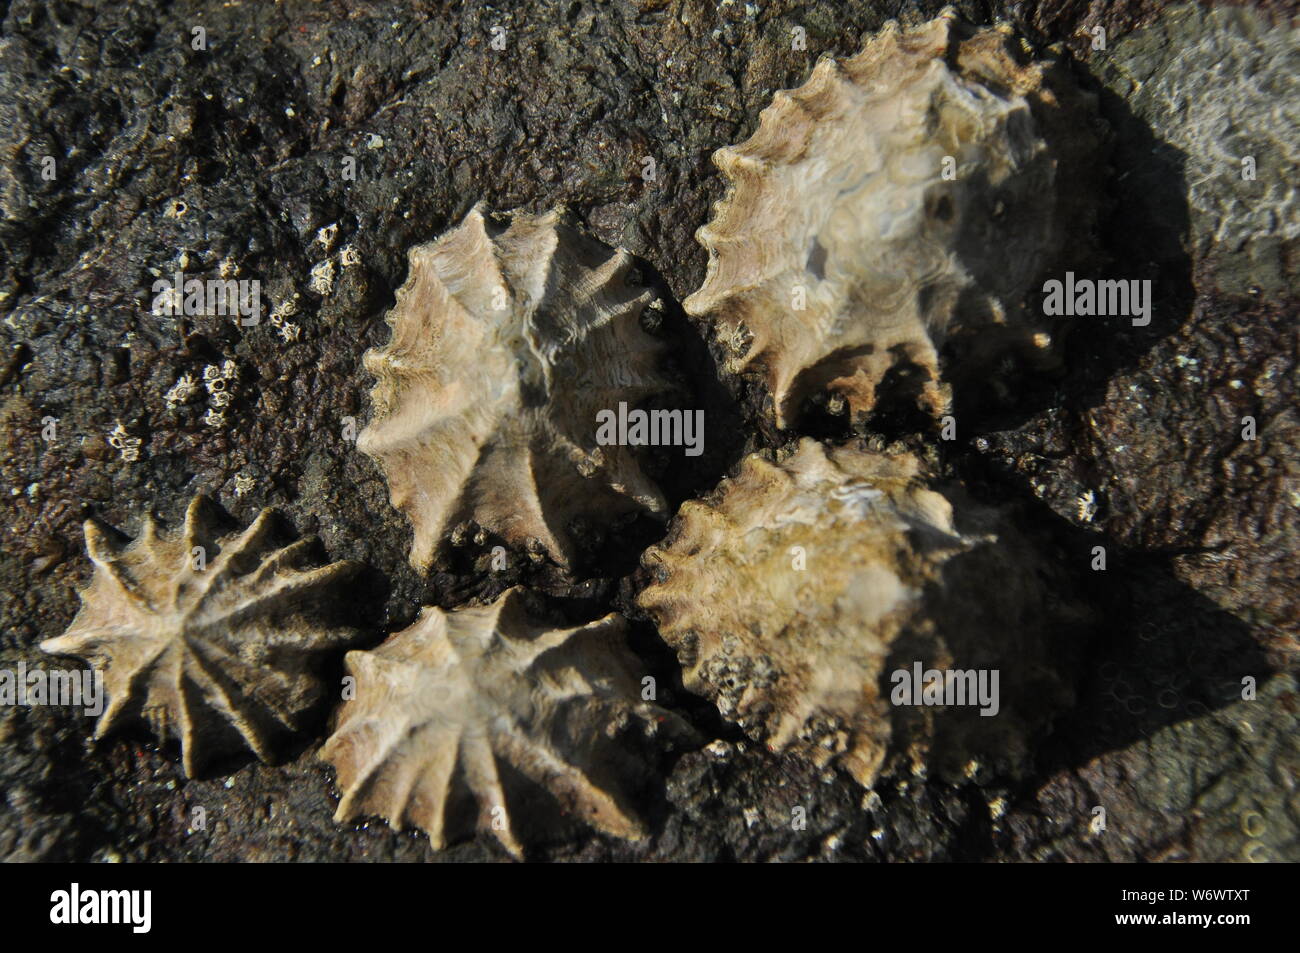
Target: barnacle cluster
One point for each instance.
(287, 330)
(127, 445)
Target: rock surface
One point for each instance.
(309, 145)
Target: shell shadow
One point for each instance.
(1142, 237)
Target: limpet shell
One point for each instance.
(900, 205)
(217, 641)
(506, 344)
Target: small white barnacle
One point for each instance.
(1085, 506)
(349, 256)
(326, 236)
(895, 210)
(221, 653)
(182, 391)
(215, 418)
(322, 277)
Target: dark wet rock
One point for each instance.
(232, 159)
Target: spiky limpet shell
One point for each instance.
(442, 704)
(841, 260)
(506, 344)
(213, 640)
(793, 592)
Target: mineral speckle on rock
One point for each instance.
(215, 641)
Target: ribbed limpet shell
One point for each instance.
(507, 343)
(217, 641)
(900, 205)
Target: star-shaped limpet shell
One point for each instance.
(216, 641)
(900, 204)
(793, 592)
(507, 343)
(442, 705)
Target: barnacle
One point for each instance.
(441, 705)
(899, 205)
(793, 591)
(505, 346)
(211, 639)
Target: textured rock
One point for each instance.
(211, 639)
(1222, 506)
(1186, 436)
(444, 703)
(251, 135)
(1221, 87)
(901, 204)
(506, 344)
